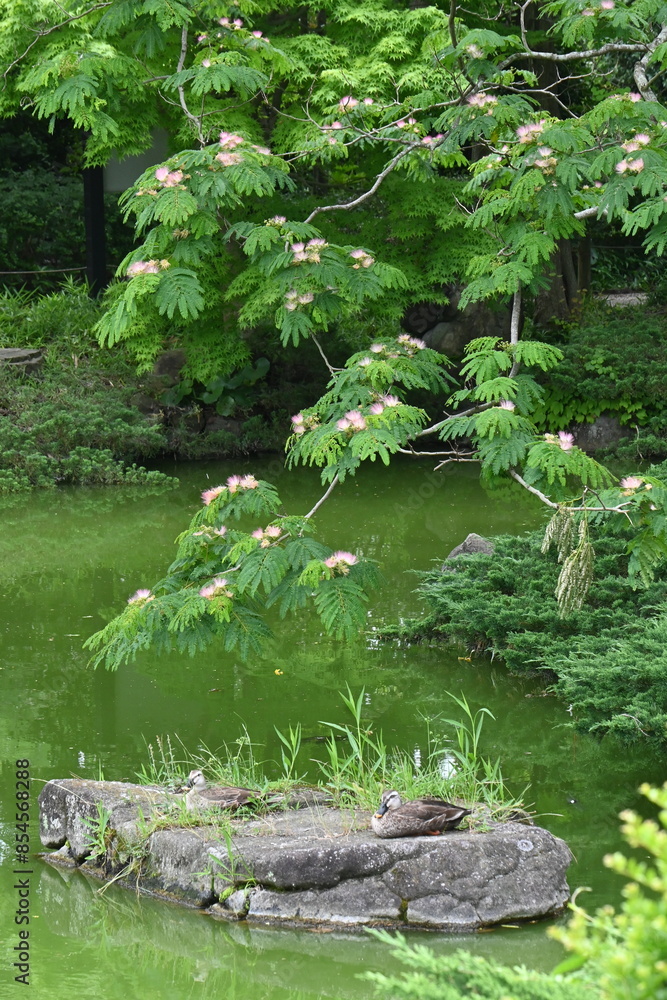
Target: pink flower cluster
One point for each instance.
(631, 483)
(428, 140)
(229, 140)
(233, 484)
(507, 404)
(404, 122)
(528, 133)
(347, 103)
(474, 51)
(265, 535)
(208, 533)
(341, 561)
(168, 178)
(353, 420)
(563, 439)
(227, 22)
(639, 140)
(409, 342)
(277, 221)
(309, 251)
(141, 595)
(546, 161)
(229, 159)
(301, 424)
(147, 267)
(216, 588)
(293, 299)
(362, 259)
(482, 100)
(631, 166)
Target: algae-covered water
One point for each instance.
(69, 559)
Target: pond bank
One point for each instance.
(310, 866)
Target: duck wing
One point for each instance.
(436, 815)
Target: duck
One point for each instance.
(396, 818)
(200, 796)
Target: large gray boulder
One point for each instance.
(310, 866)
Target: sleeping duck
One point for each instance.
(395, 818)
(200, 796)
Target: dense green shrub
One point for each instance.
(57, 430)
(614, 361)
(451, 977)
(71, 422)
(606, 659)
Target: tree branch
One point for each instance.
(54, 27)
(181, 91)
(332, 485)
(332, 370)
(371, 191)
(639, 73)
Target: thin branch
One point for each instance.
(440, 465)
(332, 485)
(332, 370)
(531, 489)
(452, 416)
(620, 508)
(54, 27)
(516, 317)
(586, 213)
(571, 56)
(371, 191)
(181, 91)
(639, 73)
(454, 455)
(452, 23)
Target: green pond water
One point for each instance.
(69, 559)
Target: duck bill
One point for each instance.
(381, 811)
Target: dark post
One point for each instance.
(93, 213)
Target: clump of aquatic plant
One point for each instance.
(232, 763)
(163, 766)
(98, 833)
(289, 751)
(359, 765)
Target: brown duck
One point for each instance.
(395, 818)
(200, 796)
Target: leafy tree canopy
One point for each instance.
(332, 163)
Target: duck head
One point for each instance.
(390, 800)
(196, 780)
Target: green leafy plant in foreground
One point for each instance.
(428, 976)
(625, 951)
